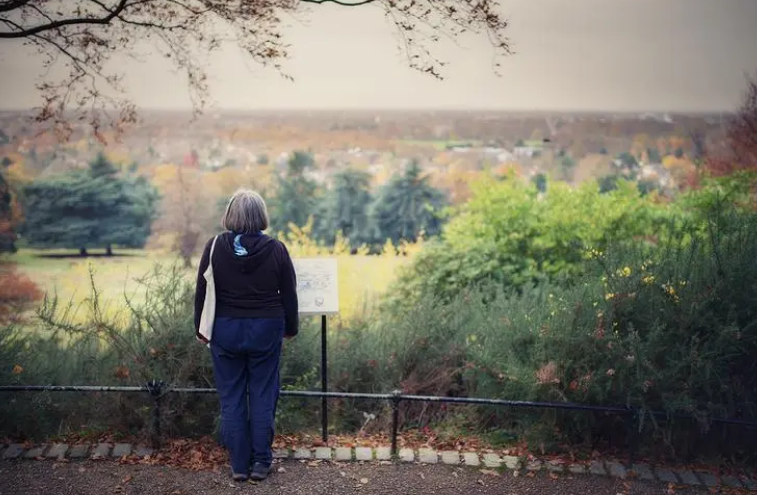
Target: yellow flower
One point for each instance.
(649, 279)
(626, 271)
(609, 296)
(17, 370)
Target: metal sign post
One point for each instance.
(318, 295)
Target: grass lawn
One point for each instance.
(361, 278)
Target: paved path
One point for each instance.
(308, 477)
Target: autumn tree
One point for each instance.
(82, 35)
(185, 210)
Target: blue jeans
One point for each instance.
(246, 354)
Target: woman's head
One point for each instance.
(246, 213)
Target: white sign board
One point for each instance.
(317, 289)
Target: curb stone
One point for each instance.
(343, 454)
(427, 456)
(121, 449)
(617, 470)
(597, 468)
(13, 451)
(407, 455)
(423, 456)
(451, 457)
(708, 479)
(35, 452)
(301, 454)
(666, 475)
(577, 469)
(323, 453)
(643, 472)
(383, 454)
(731, 481)
(101, 451)
(58, 450)
(143, 451)
(78, 451)
(689, 478)
(363, 453)
(492, 461)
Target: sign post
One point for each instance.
(318, 294)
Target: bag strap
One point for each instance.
(212, 248)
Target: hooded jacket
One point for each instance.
(257, 281)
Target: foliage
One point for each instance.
(344, 208)
(511, 234)
(184, 208)
(406, 208)
(296, 194)
(84, 34)
(17, 294)
(7, 229)
(89, 208)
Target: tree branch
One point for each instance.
(340, 2)
(66, 22)
(12, 5)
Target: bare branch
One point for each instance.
(83, 34)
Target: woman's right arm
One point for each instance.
(288, 284)
(201, 286)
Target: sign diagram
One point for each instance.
(317, 289)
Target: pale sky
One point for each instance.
(626, 55)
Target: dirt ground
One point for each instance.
(293, 477)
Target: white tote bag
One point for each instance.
(208, 316)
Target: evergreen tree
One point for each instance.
(345, 208)
(89, 208)
(296, 197)
(406, 207)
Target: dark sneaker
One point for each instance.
(239, 477)
(260, 471)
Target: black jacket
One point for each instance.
(260, 284)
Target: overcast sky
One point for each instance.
(666, 55)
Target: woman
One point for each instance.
(256, 307)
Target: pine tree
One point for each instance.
(406, 207)
(296, 197)
(89, 208)
(345, 208)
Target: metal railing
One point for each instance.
(157, 390)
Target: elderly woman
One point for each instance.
(256, 307)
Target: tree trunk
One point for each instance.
(109, 250)
(187, 261)
(83, 252)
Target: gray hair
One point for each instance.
(246, 213)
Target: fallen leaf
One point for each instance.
(81, 470)
(480, 482)
(423, 476)
(364, 480)
(553, 476)
(489, 472)
(342, 473)
(127, 479)
(531, 474)
(282, 470)
(516, 474)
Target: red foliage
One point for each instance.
(17, 293)
(741, 139)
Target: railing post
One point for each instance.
(631, 425)
(155, 389)
(395, 418)
(324, 381)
